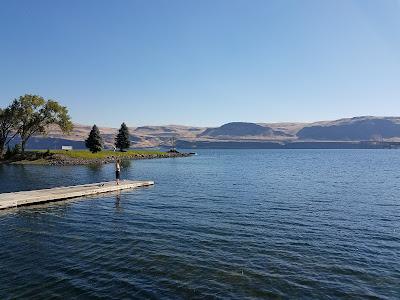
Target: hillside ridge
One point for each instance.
(361, 128)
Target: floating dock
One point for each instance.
(16, 199)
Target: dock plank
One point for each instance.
(16, 199)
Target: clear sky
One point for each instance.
(203, 62)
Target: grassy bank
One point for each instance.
(85, 154)
(82, 157)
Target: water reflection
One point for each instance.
(95, 167)
(126, 164)
(118, 201)
(231, 223)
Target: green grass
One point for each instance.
(85, 154)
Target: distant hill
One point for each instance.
(240, 134)
(168, 131)
(241, 129)
(50, 143)
(141, 137)
(354, 129)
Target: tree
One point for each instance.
(17, 150)
(122, 141)
(34, 115)
(8, 123)
(9, 153)
(94, 142)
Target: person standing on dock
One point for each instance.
(117, 171)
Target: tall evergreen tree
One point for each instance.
(122, 141)
(94, 142)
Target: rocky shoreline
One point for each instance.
(63, 160)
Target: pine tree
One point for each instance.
(94, 142)
(122, 141)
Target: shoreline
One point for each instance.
(70, 158)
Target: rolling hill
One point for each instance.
(241, 130)
(354, 129)
(240, 134)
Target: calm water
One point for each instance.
(223, 224)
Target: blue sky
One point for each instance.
(203, 62)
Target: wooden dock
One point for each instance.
(16, 199)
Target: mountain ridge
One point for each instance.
(355, 129)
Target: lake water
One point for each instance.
(322, 224)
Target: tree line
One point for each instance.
(31, 115)
(94, 142)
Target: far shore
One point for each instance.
(84, 157)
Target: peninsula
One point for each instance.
(84, 157)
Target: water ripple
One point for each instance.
(220, 225)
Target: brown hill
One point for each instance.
(350, 129)
(353, 129)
